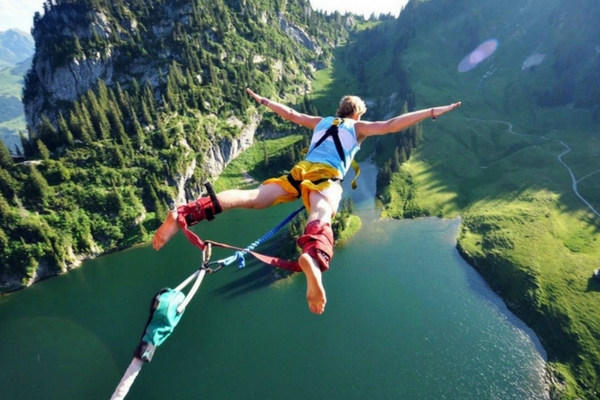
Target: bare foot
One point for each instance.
(166, 231)
(315, 292)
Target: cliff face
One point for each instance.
(222, 152)
(79, 46)
(63, 70)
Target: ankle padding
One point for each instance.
(317, 242)
(201, 209)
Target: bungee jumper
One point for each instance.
(316, 180)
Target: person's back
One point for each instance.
(337, 154)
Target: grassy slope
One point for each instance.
(494, 162)
(251, 163)
(11, 120)
(523, 227)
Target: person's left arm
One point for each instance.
(364, 129)
(308, 121)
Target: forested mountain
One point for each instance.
(125, 98)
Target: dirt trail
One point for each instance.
(574, 180)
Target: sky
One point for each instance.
(363, 7)
(19, 13)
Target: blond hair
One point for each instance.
(350, 105)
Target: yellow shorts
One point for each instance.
(307, 173)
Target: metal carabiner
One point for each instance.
(208, 269)
(206, 254)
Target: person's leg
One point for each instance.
(258, 198)
(261, 197)
(323, 207)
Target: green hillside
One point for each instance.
(12, 118)
(497, 161)
(16, 50)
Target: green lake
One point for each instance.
(406, 318)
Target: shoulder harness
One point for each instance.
(333, 132)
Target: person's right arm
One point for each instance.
(286, 112)
(364, 129)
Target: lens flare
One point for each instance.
(483, 51)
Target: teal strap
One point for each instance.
(164, 316)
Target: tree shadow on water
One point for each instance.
(260, 277)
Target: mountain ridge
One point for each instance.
(15, 46)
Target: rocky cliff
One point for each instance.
(79, 45)
(131, 105)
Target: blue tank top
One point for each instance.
(326, 152)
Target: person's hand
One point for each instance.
(437, 111)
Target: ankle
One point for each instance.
(201, 209)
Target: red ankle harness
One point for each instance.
(207, 208)
(201, 209)
(317, 242)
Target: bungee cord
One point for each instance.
(168, 305)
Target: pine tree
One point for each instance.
(137, 137)
(401, 155)
(384, 177)
(36, 190)
(135, 93)
(117, 129)
(79, 132)
(122, 99)
(43, 150)
(115, 155)
(146, 114)
(396, 160)
(66, 137)
(160, 139)
(6, 160)
(26, 144)
(150, 102)
(82, 123)
(8, 185)
(47, 133)
(104, 100)
(98, 114)
(114, 201)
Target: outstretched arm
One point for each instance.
(285, 112)
(364, 129)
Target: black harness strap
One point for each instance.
(332, 132)
(213, 197)
(296, 184)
